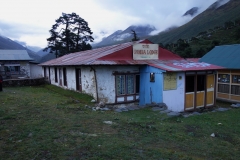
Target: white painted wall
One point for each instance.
(35, 71)
(174, 99)
(106, 81)
(104, 76)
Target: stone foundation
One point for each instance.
(23, 82)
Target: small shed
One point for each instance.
(228, 80)
(135, 72)
(14, 63)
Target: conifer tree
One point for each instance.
(69, 34)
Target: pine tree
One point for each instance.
(69, 34)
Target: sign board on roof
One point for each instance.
(143, 51)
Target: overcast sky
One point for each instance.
(30, 20)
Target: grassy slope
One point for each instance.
(204, 21)
(51, 123)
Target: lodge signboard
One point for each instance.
(143, 51)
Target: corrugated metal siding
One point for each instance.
(227, 56)
(14, 55)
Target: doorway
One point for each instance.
(199, 90)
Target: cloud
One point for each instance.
(30, 20)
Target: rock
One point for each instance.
(105, 109)
(93, 100)
(144, 106)
(186, 115)
(165, 111)
(108, 122)
(238, 104)
(196, 113)
(118, 110)
(235, 106)
(124, 109)
(97, 108)
(173, 114)
(212, 135)
(30, 135)
(157, 109)
(222, 109)
(101, 104)
(131, 108)
(162, 105)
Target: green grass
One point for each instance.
(48, 122)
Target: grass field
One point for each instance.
(47, 122)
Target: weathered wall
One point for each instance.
(150, 92)
(174, 99)
(35, 71)
(104, 77)
(106, 80)
(25, 68)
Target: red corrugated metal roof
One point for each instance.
(122, 54)
(192, 59)
(186, 66)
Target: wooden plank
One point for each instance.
(200, 99)
(222, 95)
(235, 72)
(210, 96)
(235, 98)
(210, 81)
(189, 99)
(223, 71)
(210, 90)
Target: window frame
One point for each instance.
(125, 94)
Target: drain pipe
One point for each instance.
(96, 84)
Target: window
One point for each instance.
(127, 84)
(64, 77)
(224, 78)
(235, 78)
(152, 77)
(56, 78)
(13, 69)
(45, 72)
(235, 89)
(223, 88)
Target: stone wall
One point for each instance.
(23, 82)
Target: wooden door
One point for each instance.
(78, 80)
(210, 90)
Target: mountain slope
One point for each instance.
(6, 43)
(120, 36)
(191, 12)
(210, 18)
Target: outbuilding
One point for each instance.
(228, 80)
(14, 63)
(135, 72)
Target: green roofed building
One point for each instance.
(228, 80)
